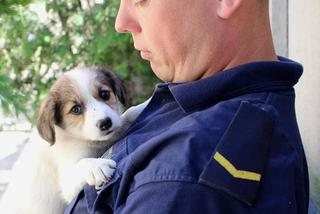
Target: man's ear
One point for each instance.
(47, 119)
(226, 8)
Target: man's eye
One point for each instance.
(139, 2)
(76, 109)
(105, 95)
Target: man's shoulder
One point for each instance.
(183, 151)
(229, 147)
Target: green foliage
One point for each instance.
(7, 6)
(35, 49)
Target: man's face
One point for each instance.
(172, 34)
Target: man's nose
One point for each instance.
(126, 21)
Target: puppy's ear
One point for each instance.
(47, 118)
(117, 85)
(120, 90)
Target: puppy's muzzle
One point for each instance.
(104, 124)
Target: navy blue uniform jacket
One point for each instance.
(225, 144)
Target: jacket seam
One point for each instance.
(170, 178)
(276, 121)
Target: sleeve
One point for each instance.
(180, 197)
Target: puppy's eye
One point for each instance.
(105, 95)
(76, 109)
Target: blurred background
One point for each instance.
(40, 40)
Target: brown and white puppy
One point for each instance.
(78, 121)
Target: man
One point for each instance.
(220, 135)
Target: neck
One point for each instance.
(249, 41)
(259, 49)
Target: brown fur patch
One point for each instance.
(109, 78)
(100, 85)
(55, 109)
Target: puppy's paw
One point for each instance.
(97, 171)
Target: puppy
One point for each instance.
(77, 122)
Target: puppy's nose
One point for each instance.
(104, 124)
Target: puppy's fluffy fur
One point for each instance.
(79, 120)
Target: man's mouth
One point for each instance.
(145, 55)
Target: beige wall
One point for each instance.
(279, 21)
(296, 30)
(304, 46)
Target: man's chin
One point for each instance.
(161, 73)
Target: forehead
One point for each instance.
(81, 83)
(90, 79)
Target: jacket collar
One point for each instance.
(247, 78)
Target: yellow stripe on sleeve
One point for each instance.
(235, 172)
